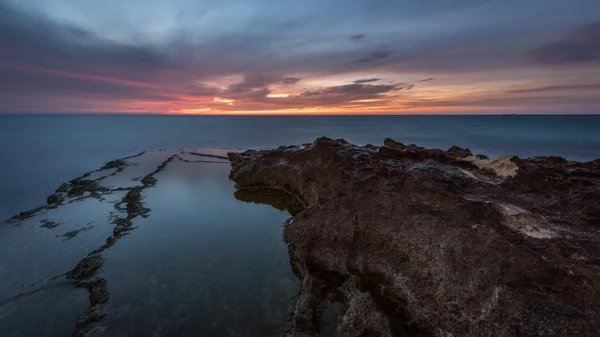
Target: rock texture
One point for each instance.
(426, 242)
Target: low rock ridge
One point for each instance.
(424, 242)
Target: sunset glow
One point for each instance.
(519, 62)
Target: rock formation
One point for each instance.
(426, 242)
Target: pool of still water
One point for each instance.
(201, 264)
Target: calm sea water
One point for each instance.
(39, 152)
(200, 263)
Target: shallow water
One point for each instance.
(202, 263)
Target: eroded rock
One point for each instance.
(423, 242)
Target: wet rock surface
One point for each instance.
(424, 242)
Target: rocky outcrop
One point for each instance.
(426, 242)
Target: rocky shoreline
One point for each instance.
(408, 241)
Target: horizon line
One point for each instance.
(289, 114)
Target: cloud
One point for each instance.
(259, 94)
(251, 82)
(324, 97)
(376, 56)
(367, 80)
(255, 86)
(290, 80)
(427, 79)
(41, 58)
(353, 89)
(124, 52)
(553, 101)
(556, 88)
(579, 46)
(28, 38)
(341, 94)
(202, 90)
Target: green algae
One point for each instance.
(71, 234)
(76, 188)
(208, 155)
(164, 164)
(63, 188)
(114, 164)
(80, 186)
(98, 295)
(279, 199)
(134, 207)
(27, 214)
(49, 224)
(87, 267)
(82, 275)
(54, 199)
(98, 291)
(133, 203)
(136, 155)
(149, 180)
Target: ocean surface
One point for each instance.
(39, 152)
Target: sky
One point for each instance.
(300, 57)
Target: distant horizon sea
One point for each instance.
(39, 152)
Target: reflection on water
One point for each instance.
(201, 264)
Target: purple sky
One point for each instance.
(237, 56)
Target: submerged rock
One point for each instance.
(87, 267)
(422, 242)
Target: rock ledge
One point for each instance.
(424, 242)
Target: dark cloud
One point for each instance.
(367, 80)
(329, 96)
(378, 55)
(350, 94)
(251, 82)
(357, 37)
(202, 90)
(580, 45)
(427, 79)
(556, 88)
(353, 89)
(255, 86)
(258, 95)
(290, 80)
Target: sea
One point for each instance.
(201, 260)
(39, 152)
